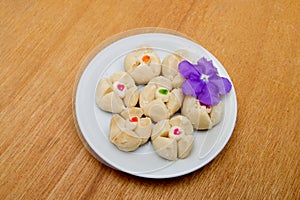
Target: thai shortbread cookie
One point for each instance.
(143, 64)
(202, 116)
(169, 67)
(130, 129)
(158, 99)
(117, 92)
(172, 139)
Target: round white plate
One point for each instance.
(93, 123)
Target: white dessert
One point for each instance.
(173, 138)
(143, 64)
(129, 129)
(169, 67)
(202, 117)
(158, 99)
(117, 92)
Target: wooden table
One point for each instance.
(43, 43)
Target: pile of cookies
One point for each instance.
(159, 111)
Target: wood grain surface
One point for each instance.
(43, 43)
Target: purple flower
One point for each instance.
(203, 82)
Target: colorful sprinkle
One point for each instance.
(207, 106)
(176, 131)
(121, 87)
(134, 119)
(163, 91)
(146, 59)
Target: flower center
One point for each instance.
(134, 119)
(146, 59)
(206, 107)
(120, 87)
(204, 77)
(176, 131)
(202, 104)
(163, 91)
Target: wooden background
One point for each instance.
(43, 43)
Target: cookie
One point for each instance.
(159, 100)
(173, 138)
(202, 117)
(116, 93)
(130, 129)
(169, 67)
(143, 64)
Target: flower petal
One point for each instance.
(206, 67)
(206, 89)
(195, 77)
(190, 87)
(222, 83)
(209, 95)
(187, 70)
(227, 85)
(187, 89)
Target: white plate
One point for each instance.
(93, 123)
